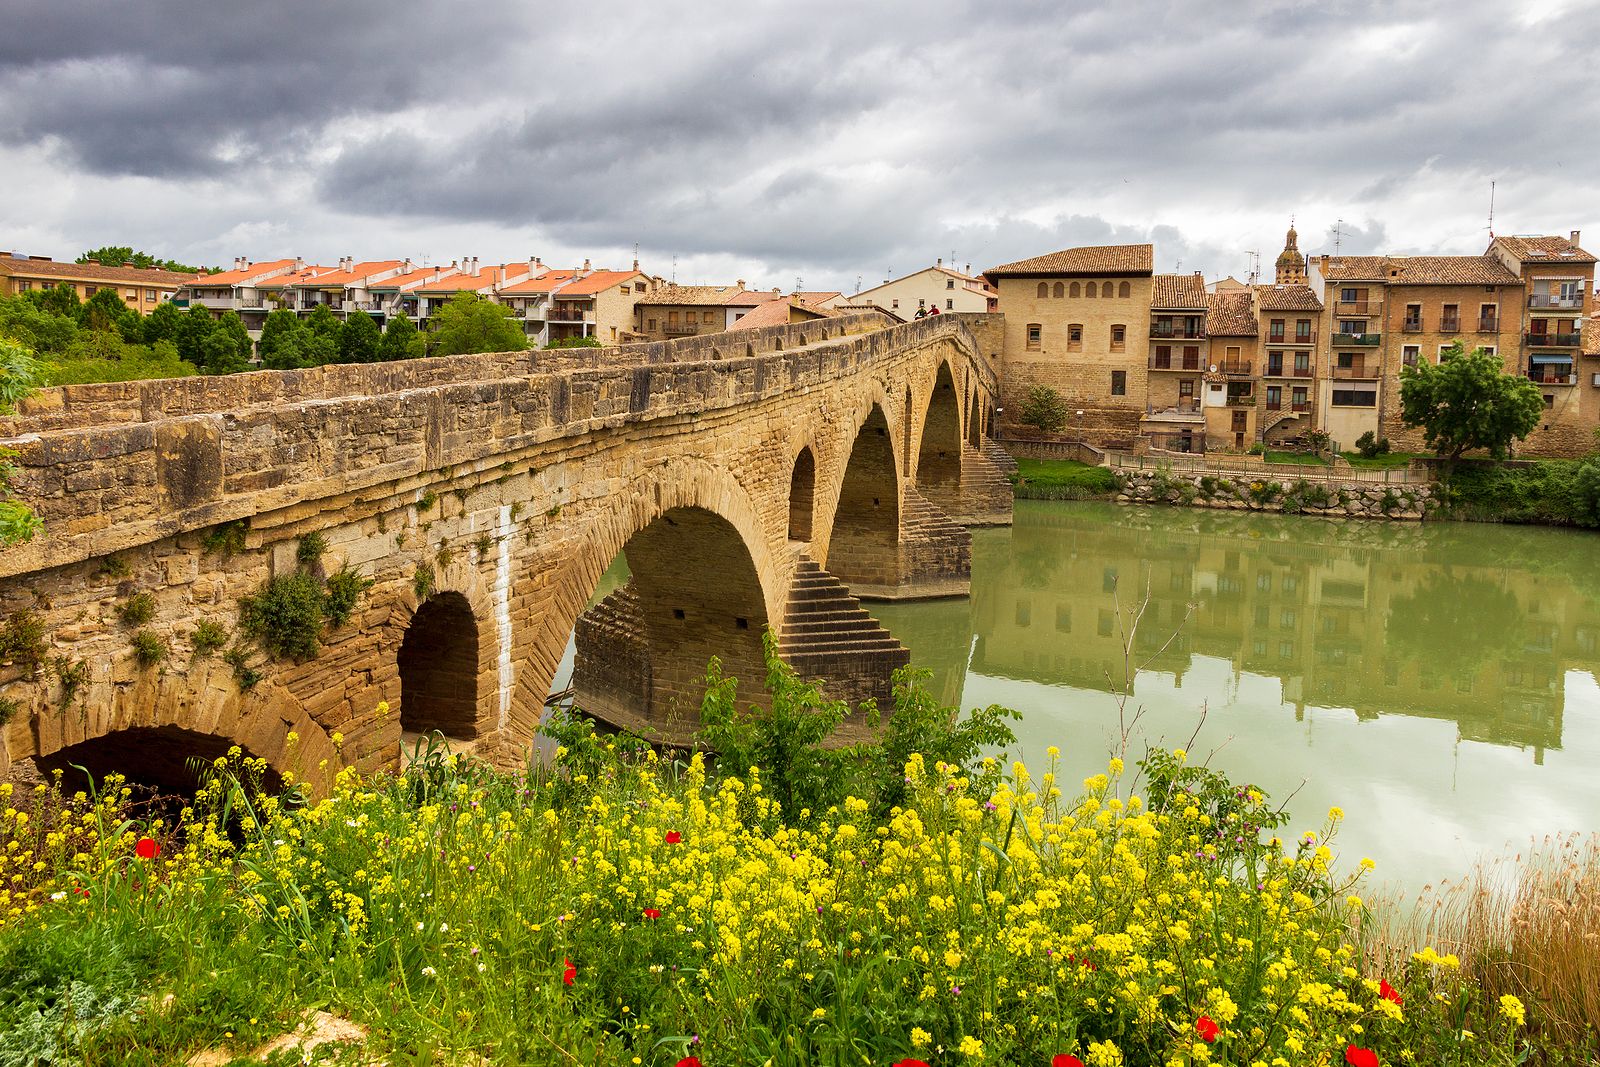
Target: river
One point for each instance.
(1437, 681)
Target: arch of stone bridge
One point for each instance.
(695, 544)
(150, 723)
(863, 509)
(974, 420)
(938, 468)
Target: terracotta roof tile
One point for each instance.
(1230, 314)
(599, 281)
(776, 313)
(49, 268)
(543, 283)
(408, 281)
(1093, 259)
(357, 273)
(693, 294)
(1421, 270)
(1530, 248)
(1178, 291)
(1355, 268)
(1287, 298)
(1591, 336)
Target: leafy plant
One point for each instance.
(149, 647)
(422, 580)
(1371, 446)
(113, 566)
(225, 540)
(208, 636)
(22, 640)
(345, 587)
(8, 710)
(1467, 402)
(445, 555)
(1044, 408)
(72, 674)
(312, 546)
(247, 676)
(429, 499)
(286, 617)
(138, 609)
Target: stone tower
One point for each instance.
(1291, 264)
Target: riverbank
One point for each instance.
(1063, 479)
(618, 910)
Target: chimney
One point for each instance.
(1575, 234)
(474, 266)
(406, 268)
(939, 262)
(967, 269)
(299, 264)
(636, 264)
(740, 283)
(533, 265)
(586, 263)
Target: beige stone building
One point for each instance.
(1232, 334)
(1288, 314)
(1179, 366)
(937, 286)
(1078, 321)
(141, 290)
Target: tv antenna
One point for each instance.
(674, 268)
(1491, 209)
(1338, 234)
(858, 283)
(1255, 264)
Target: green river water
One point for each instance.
(1437, 681)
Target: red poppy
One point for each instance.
(1389, 992)
(673, 837)
(688, 1061)
(1360, 1057)
(1207, 1028)
(147, 848)
(652, 913)
(910, 1063)
(1062, 1059)
(571, 972)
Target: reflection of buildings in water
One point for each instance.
(1354, 615)
(944, 637)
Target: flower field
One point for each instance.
(619, 908)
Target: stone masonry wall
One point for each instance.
(1347, 499)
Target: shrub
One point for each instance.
(72, 674)
(1552, 491)
(1045, 409)
(137, 609)
(8, 710)
(286, 617)
(149, 647)
(227, 539)
(208, 636)
(345, 588)
(22, 640)
(1371, 446)
(422, 580)
(311, 548)
(113, 566)
(247, 677)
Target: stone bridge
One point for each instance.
(754, 479)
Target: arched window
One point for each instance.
(1060, 290)
(1044, 290)
(1076, 291)
(1075, 337)
(1105, 290)
(1090, 290)
(1124, 290)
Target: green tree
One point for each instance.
(25, 320)
(284, 342)
(117, 255)
(60, 299)
(1044, 407)
(106, 310)
(1468, 402)
(162, 324)
(19, 372)
(469, 323)
(193, 328)
(359, 339)
(227, 349)
(400, 340)
(586, 341)
(105, 357)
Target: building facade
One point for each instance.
(937, 286)
(141, 290)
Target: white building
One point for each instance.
(937, 286)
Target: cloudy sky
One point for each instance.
(774, 141)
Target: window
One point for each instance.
(1186, 387)
(1105, 290)
(1450, 317)
(894, 304)
(1409, 354)
(132, 297)
(1119, 335)
(1059, 291)
(1104, 623)
(1108, 580)
(1347, 296)
(1073, 292)
(650, 324)
(949, 304)
(708, 317)
(1064, 618)
(1119, 383)
(1354, 398)
(1302, 330)
(1024, 614)
(1089, 290)
(1413, 319)
(1549, 400)
(90, 290)
(1440, 352)
(1275, 330)
(1124, 290)
(1489, 349)
(1302, 364)
(1274, 397)
(1488, 316)
(1075, 333)
(1299, 405)
(950, 283)
(638, 287)
(672, 318)
(922, 301)
(1035, 335)
(1346, 360)
(1044, 290)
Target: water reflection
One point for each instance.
(1300, 635)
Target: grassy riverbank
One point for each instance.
(1063, 479)
(831, 908)
(1550, 492)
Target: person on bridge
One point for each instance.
(934, 310)
(922, 312)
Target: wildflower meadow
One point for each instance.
(621, 906)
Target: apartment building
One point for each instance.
(140, 289)
(1232, 332)
(937, 286)
(690, 310)
(558, 305)
(1078, 321)
(1288, 314)
(345, 288)
(241, 289)
(1179, 365)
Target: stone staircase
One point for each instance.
(1275, 418)
(611, 672)
(995, 453)
(986, 493)
(829, 637)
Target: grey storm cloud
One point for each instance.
(835, 138)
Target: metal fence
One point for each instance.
(1235, 466)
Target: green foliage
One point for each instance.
(469, 323)
(286, 617)
(122, 255)
(311, 547)
(1265, 492)
(138, 609)
(1303, 495)
(22, 640)
(1045, 409)
(113, 566)
(324, 324)
(1063, 479)
(72, 674)
(586, 341)
(1317, 442)
(285, 342)
(422, 580)
(190, 332)
(226, 350)
(19, 374)
(359, 339)
(8, 710)
(428, 500)
(106, 311)
(1467, 402)
(208, 636)
(1371, 446)
(1440, 623)
(246, 676)
(1552, 492)
(60, 299)
(149, 647)
(225, 539)
(109, 359)
(345, 587)
(164, 323)
(401, 340)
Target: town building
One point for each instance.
(1288, 316)
(1179, 365)
(689, 310)
(141, 289)
(1232, 332)
(937, 286)
(240, 290)
(1078, 321)
(558, 305)
(345, 288)
(782, 311)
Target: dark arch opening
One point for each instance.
(864, 548)
(641, 652)
(802, 495)
(154, 760)
(939, 455)
(905, 436)
(439, 669)
(974, 430)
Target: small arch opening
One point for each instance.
(802, 495)
(1058, 291)
(1044, 290)
(1075, 291)
(1105, 290)
(439, 669)
(157, 762)
(1124, 290)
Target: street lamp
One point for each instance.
(1079, 416)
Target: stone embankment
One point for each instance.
(1322, 496)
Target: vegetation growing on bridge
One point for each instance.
(618, 908)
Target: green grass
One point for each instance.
(1301, 459)
(1387, 461)
(1063, 479)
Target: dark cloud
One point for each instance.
(830, 140)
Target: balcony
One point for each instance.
(1178, 330)
(1292, 339)
(1280, 370)
(1358, 307)
(1300, 407)
(676, 329)
(1554, 340)
(570, 314)
(1556, 301)
(1411, 326)
(1449, 325)
(1189, 363)
(1234, 366)
(1241, 400)
(1355, 371)
(1547, 377)
(1361, 340)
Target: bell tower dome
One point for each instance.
(1291, 264)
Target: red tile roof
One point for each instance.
(697, 295)
(1287, 298)
(357, 273)
(411, 280)
(1421, 270)
(543, 283)
(49, 268)
(1532, 248)
(777, 312)
(1230, 314)
(1093, 259)
(239, 277)
(1178, 291)
(599, 281)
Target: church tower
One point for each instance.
(1291, 264)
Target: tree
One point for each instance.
(359, 339)
(106, 310)
(1467, 402)
(18, 373)
(25, 320)
(1044, 407)
(400, 340)
(118, 255)
(163, 323)
(469, 323)
(586, 341)
(193, 328)
(60, 299)
(283, 341)
(227, 349)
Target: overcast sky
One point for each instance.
(775, 141)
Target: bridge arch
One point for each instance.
(441, 664)
(863, 547)
(939, 448)
(802, 495)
